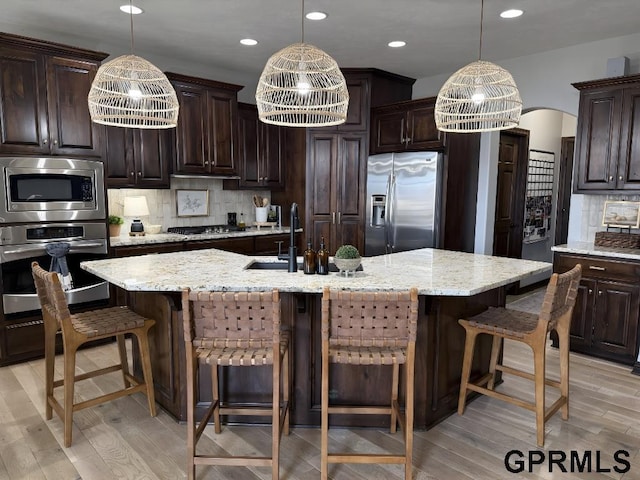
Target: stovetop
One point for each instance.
(204, 229)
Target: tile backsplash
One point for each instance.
(162, 203)
(592, 213)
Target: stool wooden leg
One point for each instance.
(124, 362)
(469, 345)
(275, 418)
(69, 384)
(324, 427)
(563, 347)
(143, 343)
(496, 347)
(286, 386)
(409, 412)
(191, 373)
(395, 380)
(49, 364)
(215, 390)
(539, 378)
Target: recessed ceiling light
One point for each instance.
(248, 41)
(316, 15)
(397, 44)
(132, 9)
(513, 13)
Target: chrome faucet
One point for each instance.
(292, 255)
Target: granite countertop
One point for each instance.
(149, 239)
(432, 271)
(588, 248)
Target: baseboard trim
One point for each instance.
(636, 368)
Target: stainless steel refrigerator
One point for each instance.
(403, 200)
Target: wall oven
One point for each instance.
(22, 244)
(39, 189)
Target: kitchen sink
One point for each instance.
(269, 266)
(258, 265)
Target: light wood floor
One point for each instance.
(120, 441)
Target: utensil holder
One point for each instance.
(261, 214)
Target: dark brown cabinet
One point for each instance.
(336, 168)
(260, 152)
(137, 158)
(608, 121)
(207, 131)
(606, 314)
(43, 98)
(405, 126)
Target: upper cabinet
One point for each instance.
(137, 158)
(206, 135)
(405, 126)
(607, 158)
(260, 152)
(43, 98)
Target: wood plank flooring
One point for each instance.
(120, 440)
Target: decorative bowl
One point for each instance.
(347, 264)
(153, 229)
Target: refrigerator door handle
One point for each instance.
(387, 213)
(391, 231)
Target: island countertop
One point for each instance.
(432, 271)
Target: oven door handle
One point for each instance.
(26, 251)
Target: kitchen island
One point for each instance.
(450, 285)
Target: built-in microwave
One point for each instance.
(40, 189)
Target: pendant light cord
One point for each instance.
(131, 23)
(481, 19)
(302, 23)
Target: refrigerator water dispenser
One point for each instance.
(378, 206)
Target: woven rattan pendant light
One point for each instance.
(131, 92)
(302, 86)
(479, 97)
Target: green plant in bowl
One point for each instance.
(347, 258)
(115, 220)
(115, 223)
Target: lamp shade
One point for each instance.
(129, 91)
(479, 97)
(302, 86)
(135, 207)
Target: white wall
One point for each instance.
(544, 81)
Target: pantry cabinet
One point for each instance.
(607, 158)
(606, 315)
(206, 137)
(43, 98)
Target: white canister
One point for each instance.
(261, 214)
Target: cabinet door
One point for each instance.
(272, 145)
(350, 194)
(598, 138)
(152, 154)
(616, 319)
(388, 132)
(422, 133)
(358, 109)
(322, 183)
(192, 149)
(71, 130)
(23, 103)
(629, 156)
(222, 128)
(582, 320)
(118, 161)
(248, 149)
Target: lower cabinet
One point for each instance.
(607, 311)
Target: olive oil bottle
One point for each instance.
(322, 259)
(309, 259)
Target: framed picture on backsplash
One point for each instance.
(621, 214)
(192, 203)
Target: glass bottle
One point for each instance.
(241, 224)
(309, 259)
(322, 259)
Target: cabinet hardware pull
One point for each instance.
(610, 177)
(45, 141)
(339, 218)
(599, 292)
(55, 142)
(594, 267)
(408, 140)
(590, 291)
(333, 217)
(620, 177)
(139, 174)
(206, 162)
(132, 174)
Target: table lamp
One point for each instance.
(136, 207)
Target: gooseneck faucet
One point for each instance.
(292, 255)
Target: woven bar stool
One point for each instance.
(501, 323)
(227, 329)
(78, 329)
(370, 328)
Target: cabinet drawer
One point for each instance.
(597, 267)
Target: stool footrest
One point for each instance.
(365, 458)
(360, 410)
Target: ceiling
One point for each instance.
(441, 35)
